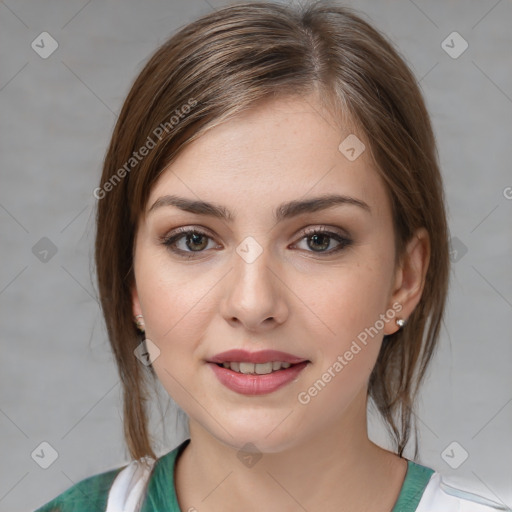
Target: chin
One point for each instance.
(255, 434)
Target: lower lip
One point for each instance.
(256, 384)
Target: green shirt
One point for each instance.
(91, 494)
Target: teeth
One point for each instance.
(256, 368)
(246, 367)
(263, 369)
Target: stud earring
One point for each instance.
(401, 323)
(139, 321)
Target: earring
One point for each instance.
(139, 321)
(401, 323)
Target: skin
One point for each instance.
(295, 297)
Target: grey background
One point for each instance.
(58, 381)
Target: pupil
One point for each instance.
(195, 237)
(325, 237)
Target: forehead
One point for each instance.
(280, 150)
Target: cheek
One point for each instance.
(173, 301)
(176, 320)
(351, 309)
(346, 354)
(348, 299)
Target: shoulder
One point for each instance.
(88, 494)
(143, 482)
(440, 494)
(147, 484)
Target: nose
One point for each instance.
(255, 294)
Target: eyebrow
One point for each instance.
(284, 211)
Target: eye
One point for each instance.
(194, 239)
(321, 238)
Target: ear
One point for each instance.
(136, 309)
(409, 279)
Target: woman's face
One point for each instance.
(260, 279)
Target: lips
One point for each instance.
(248, 373)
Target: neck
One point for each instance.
(336, 469)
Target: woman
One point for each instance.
(272, 247)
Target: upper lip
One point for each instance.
(263, 356)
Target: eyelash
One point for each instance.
(170, 241)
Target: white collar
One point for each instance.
(439, 496)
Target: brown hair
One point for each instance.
(224, 63)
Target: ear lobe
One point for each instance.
(410, 276)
